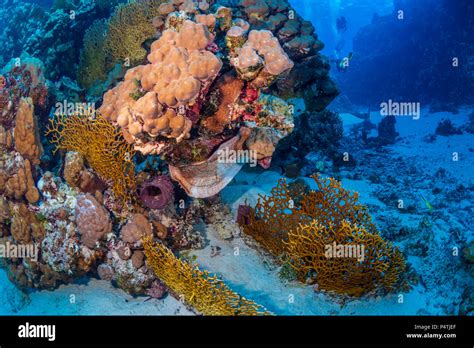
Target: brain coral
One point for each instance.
(153, 98)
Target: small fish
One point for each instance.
(428, 205)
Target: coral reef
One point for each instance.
(202, 89)
(102, 146)
(77, 175)
(205, 293)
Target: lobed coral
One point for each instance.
(202, 291)
(157, 99)
(261, 59)
(16, 178)
(157, 192)
(120, 39)
(102, 146)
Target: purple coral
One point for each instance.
(157, 192)
(243, 214)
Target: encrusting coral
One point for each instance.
(102, 146)
(204, 292)
(300, 228)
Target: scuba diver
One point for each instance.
(342, 63)
(341, 24)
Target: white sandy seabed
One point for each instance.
(248, 272)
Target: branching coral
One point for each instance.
(378, 269)
(302, 227)
(272, 218)
(128, 28)
(118, 40)
(205, 292)
(331, 203)
(102, 146)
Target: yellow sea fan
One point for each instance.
(378, 268)
(102, 146)
(202, 291)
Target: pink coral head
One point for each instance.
(212, 46)
(157, 192)
(249, 95)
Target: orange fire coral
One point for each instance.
(128, 28)
(331, 203)
(370, 263)
(272, 218)
(207, 294)
(119, 39)
(102, 146)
